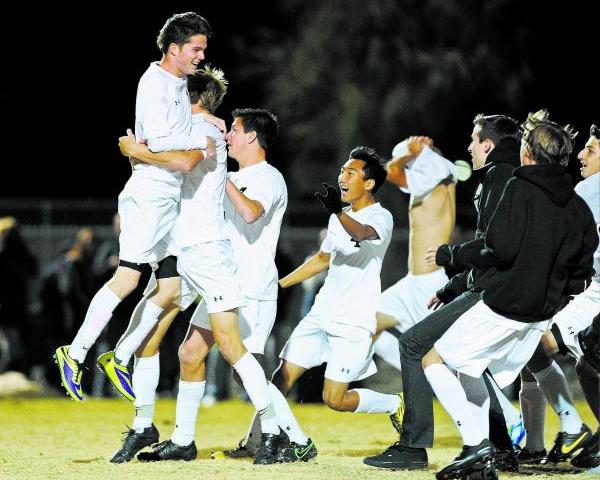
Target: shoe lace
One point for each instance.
(393, 446)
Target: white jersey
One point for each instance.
(201, 217)
(424, 173)
(163, 118)
(589, 190)
(254, 244)
(353, 284)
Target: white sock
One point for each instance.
(533, 407)
(255, 384)
(375, 402)
(511, 414)
(98, 315)
(449, 392)
(479, 400)
(133, 337)
(553, 384)
(285, 417)
(388, 348)
(145, 381)
(189, 399)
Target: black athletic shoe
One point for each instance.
(294, 452)
(527, 457)
(566, 444)
(133, 442)
(243, 450)
(506, 461)
(399, 457)
(270, 445)
(590, 455)
(168, 450)
(473, 460)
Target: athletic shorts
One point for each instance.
(481, 339)
(577, 316)
(406, 300)
(347, 349)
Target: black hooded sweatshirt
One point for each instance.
(541, 240)
(500, 164)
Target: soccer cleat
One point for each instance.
(243, 450)
(517, 433)
(399, 457)
(70, 373)
(590, 455)
(566, 444)
(506, 461)
(527, 457)
(294, 452)
(473, 460)
(117, 374)
(398, 416)
(270, 445)
(168, 450)
(133, 442)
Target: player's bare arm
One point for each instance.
(250, 210)
(357, 230)
(313, 266)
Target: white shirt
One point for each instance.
(254, 244)
(589, 190)
(424, 173)
(201, 217)
(163, 118)
(352, 287)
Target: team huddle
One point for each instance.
(464, 323)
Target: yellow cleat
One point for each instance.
(398, 416)
(117, 374)
(70, 373)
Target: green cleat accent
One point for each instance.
(70, 373)
(117, 374)
(398, 416)
(297, 453)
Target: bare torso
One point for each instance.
(431, 223)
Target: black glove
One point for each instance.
(331, 200)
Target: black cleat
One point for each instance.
(590, 455)
(168, 450)
(270, 446)
(506, 461)
(133, 442)
(294, 452)
(527, 457)
(566, 444)
(399, 457)
(243, 450)
(473, 460)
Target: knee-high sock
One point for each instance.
(285, 417)
(533, 408)
(388, 348)
(553, 384)
(143, 319)
(375, 402)
(479, 400)
(255, 383)
(145, 377)
(98, 315)
(189, 399)
(451, 395)
(511, 414)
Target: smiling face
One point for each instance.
(352, 183)
(589, 157)
(188, 56)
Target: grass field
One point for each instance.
(55, 438)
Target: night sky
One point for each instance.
(70, 77)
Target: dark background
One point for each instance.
(338, 74)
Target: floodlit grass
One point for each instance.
(56, 438)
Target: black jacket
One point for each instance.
(541, 240)
(500, 165)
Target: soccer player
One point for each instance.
(148, 204)
(541, 239)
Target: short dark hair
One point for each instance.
(180, 27)
(547, 141)
(261, 121)
(595, 131)
(207, 86)
(373, 168)
(496, 127)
